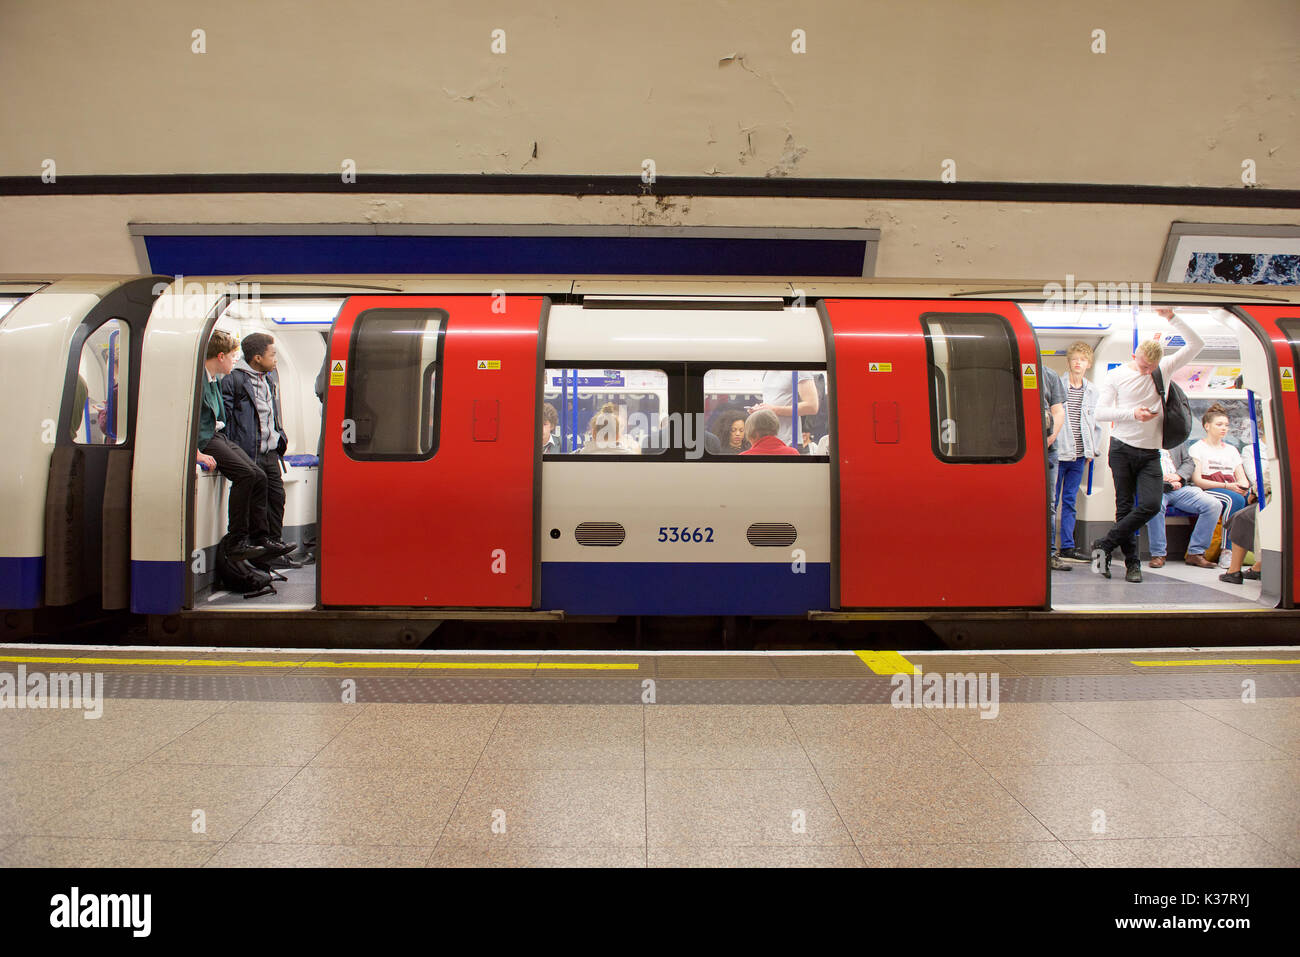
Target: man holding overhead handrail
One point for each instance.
(1129, 399)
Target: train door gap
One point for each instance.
(1232, 371)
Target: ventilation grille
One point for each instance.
(600, 533)
(774, 534)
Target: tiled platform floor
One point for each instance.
(1096, 779)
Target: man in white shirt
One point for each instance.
(1130, 401)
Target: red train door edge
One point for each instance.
(1285, 365)
(920, 527)
(430, 504)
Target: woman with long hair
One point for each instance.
(729, 427)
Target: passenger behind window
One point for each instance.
(1178, 492)
(1219, 471)
(761, 430)
(101, 411)
(606, 433)
(778, 397)
(550, 423)
(729, 427)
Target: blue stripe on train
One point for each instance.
(684, 588)
(22, 582)
(157, 588)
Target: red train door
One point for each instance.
(941, 468)
(430, 452)
(1282, 326)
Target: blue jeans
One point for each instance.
(1067, 490)
(1189, 499)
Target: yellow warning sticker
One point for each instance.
(880, 367)
(1288, 379)
(1029, 373)
(337, 369)
(489, 363)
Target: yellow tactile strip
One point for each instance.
(1204, 662)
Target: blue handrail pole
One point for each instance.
(564, 405)
(1259, 468)
(795, 431)
(575, 409)
(110, 411)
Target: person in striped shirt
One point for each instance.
(1077, 443)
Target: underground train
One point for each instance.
(440, 432)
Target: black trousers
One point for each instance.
(269, 462)
(1137, 474)
(248, 489)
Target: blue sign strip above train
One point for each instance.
(608, 379)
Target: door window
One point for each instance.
(392, 401)
(99, 405)
(975, 385)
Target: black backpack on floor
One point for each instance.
(241, 576)
(1178, 412)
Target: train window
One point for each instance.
(392, 401)
(99, 405)
(975, 401)
(1291, 329)
(732, 395)
(605, 411)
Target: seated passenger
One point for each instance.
(729, 427)
(1244, 526)
(779, 398)
(761, 430)
(247, 517)
(550, 422)
(1219, 469)
(1177, 468)
(605, 434)
(1243, 530)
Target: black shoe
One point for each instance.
(1101, 558)
(1058, 565)
(1249, 575)
(241, 551)
(1076, 554)
(1133, 574)
(1232, 578)
(274, 547)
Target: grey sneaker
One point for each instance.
(1133, 574)
(1058, 565)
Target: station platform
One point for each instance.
(224, 758)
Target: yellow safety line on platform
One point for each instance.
(1216, 661)
(886, 662)
(415, 665)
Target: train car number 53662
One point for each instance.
(672, 533)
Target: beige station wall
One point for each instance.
(918, 239)
(1009, 90)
